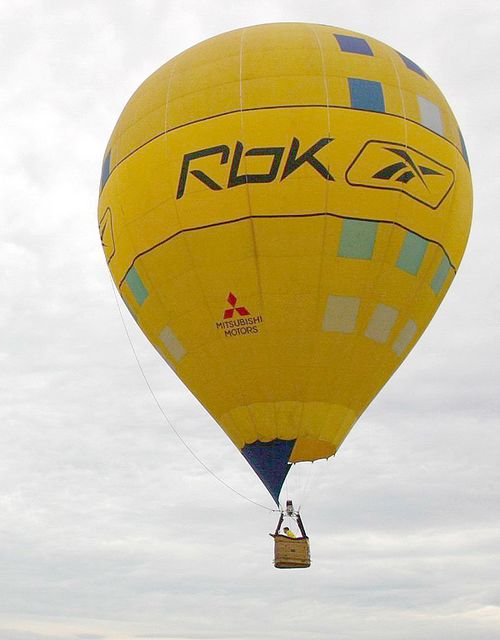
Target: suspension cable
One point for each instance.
(167, 420)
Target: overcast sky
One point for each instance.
(109, 529)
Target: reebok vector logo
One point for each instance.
(396, 167)
(406, 169)
(107, 236)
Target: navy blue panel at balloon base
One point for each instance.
(269, 460)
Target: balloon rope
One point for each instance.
(167, 420)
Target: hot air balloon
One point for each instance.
(282, 209)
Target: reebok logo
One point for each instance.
(396, 167)
(192, 164)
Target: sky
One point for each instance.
(109, 528)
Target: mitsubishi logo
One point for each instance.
(229, 313)
(243, 325)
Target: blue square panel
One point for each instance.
(411, 65)
(106, 170)
(366, 94)
(350, 44)
(464, 148)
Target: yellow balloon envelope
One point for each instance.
(283, 208)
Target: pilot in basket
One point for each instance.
(291, 552)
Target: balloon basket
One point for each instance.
(291, 553)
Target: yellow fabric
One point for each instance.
(327, 303)
(290, 534)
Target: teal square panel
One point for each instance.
(357, 239)
(412, 253)
(136, 286)
(440, 275)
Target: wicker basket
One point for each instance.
(291, 553)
